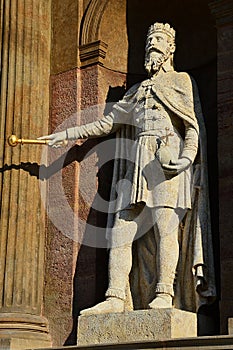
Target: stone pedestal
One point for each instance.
(141, 325)
(230, 325)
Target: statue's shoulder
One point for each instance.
(180, 79)
(178, 83)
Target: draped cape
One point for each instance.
(195, 281)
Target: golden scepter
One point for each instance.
(13, 141)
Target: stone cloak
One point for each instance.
(195, 281)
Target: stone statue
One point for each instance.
(168, 196)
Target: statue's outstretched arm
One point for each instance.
(98, 128)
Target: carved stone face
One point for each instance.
(158, 49)
(157, 42)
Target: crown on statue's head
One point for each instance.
(164, 28)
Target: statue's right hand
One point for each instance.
(55, 140)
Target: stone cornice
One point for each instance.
(93, 53)
(222, 10)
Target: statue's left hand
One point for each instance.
(176, 168)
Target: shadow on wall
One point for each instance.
(91, 266)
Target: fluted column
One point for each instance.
(222, 10)
(25, 57)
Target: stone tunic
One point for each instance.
(145, 180)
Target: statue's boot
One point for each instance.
(167, 255)
(161, 301)
(110, 305)
(119, 268)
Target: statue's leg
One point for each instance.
(120, 263)
(166, 235)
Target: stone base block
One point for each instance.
(23, 343)
(230, 325)
(20, 331)
(140, 325)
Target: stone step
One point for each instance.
(201, 343)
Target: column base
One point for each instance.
(140, 325)
(23, 331)
(23, 343)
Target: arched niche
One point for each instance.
(117, 30)
(91, 21)
(195, 39)
(196, 53)
(113, 31)
(104, 32)
(196, 35)
(123, 25)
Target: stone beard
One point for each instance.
(154, 60)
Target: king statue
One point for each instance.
(159, 187)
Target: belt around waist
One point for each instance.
(151, 133)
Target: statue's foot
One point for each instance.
(162, 301)
(110, 305)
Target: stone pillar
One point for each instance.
(223, 12)
(25, 57)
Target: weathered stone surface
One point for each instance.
(25, 68)
(230, 326)
(61, 305)
(201, 343)
(66, 17)
(25, 341)
(136, 325)
(61, 248)
(93, 53)
(115, 17)
(222, 11)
